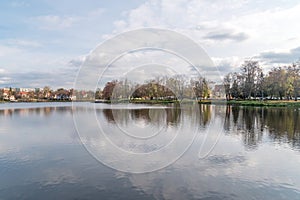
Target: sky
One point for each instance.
(44, 42)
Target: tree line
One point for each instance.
(282, 82)
(176, 87)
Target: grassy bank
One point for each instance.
(270, 103)
(273, 103)
(137, 101)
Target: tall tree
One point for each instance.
(227, 83)
(293, 79)
(250, 71)
(109, 89)
(261, 85)
(201, 88)
(236, 88)
(277, 82)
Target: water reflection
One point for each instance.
(281, 124)
(42, 158)
(42, 112)
(170, 116)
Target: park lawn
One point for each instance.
(270, 103)
(273, 103)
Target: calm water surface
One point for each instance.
(249, 153)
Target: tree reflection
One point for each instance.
(281, 124)
(173, 115)
(42, 111)
(235, 114)
(170, 116)
(167, 116)
(108, 115)
(205, 113)
(284, 125)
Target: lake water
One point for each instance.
(60, 151)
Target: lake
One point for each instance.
(126, 151)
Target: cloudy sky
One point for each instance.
(43, 42)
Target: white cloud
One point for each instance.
(55, 22)
(272, 28)
(72, 22)
(281, 57)
(19, 4)
(2, 71)
(77, 62)
(5, 80)
(8, 51)
(227, 64)
(227, 20)
(22, 43)
(95, 13)
(22, 67)
(229, 30)
(179, 15)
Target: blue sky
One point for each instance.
(43, 42)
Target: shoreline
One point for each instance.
(252, 103)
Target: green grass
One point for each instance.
(270, 103)
(154, 101)
(257, 103)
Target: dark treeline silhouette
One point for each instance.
(282, 82)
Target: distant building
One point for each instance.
(23, 92)
(7, 93)
(219, 92)
(27, 94)
(12, 98)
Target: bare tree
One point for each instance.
(277, 82)
(251, 72)
(293, 79)
(227, 81)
